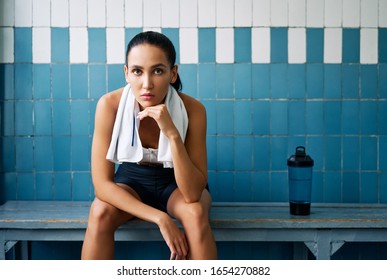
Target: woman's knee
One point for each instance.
(102, 216)
(195, 215)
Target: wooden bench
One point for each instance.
(327, 228)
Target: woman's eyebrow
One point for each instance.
(153, 66)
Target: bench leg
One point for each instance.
(24, 250)
(2, 246)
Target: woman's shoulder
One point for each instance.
(109, 101)
(192, 105)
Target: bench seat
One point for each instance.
(324, 231)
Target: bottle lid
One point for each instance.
(300, 159)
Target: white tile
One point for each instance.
(369, 13)
(60, 13)
(41, 45)
(368, 45)
(279, 13)
(225, 45)
(382, 13)
(224, 13)
(188, 45)
(261, 13)
(7, 13)
(133, 13)
(79, 45)
(297, 13)
(243, 13)
(170, 13)
(115, 13)
(115, 45)
(351, 13)
(333, 44)
(23, 13)
(297, 45)
(314, 13)
(41, 13)
(207, 13)
(155, 29)
(333, 13)
(78, 13)
(7, 45)
(260, 48)
(96, 13)
(152, 13)
(188, 13)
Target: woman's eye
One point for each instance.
(136, 72)
(158, 71)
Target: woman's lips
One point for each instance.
(147, 96)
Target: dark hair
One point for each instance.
(158, 40)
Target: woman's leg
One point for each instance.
(104, 219)
(194, 218)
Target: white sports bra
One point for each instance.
(149, 156)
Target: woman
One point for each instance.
(146, 189)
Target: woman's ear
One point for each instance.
(174, 74)
(126, 71)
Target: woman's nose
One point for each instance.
(147, 82)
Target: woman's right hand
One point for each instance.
(175, 239)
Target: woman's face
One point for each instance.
(149, 74)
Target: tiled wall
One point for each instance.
(273, 74)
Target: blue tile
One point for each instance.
(369, 187)
(242, 80)
(261, 117)
(297, 80)
(8, 161)
(60, 39)
(97, 45)
(62, 153)
(368, 117)
(225, 117)
(369, 153)
(23, 118)
(333, 153)
(242, 117)
(206, 80)
(116, 76)
(350, 76)
(97, 80)
(61, 117)
(332, 187)
(243, 153)
(81, 186)
(23, 44)
(279, 80)
(62, 186)
(129, 33)
(317, 187)
(315, 45)
(368, 81)
(332, 81)
(24, 154)
(350, 117)
(60, 81)
(224, 80)
(10, 186)
(261, 80)
(80, 155)
(242, 44)
(382, 117)
(382, 45)
(25, 186)
(189, 78)
(332, 114)
(261, 186)
(351, 45)
(279, 118)
(297, 117)
(23, 81)
(44, 182)
(7, 80)
(226, 191)
(279, 153)
(242, 183)
(79, 117)
(295, 141)
(79, 81)
(351, 187)
(315, 80)
(383, 188)
(225, 153)
(8, 123)
(210, 106)
(382, 80)
(207, 45)
(279, 191)
(211, 152)
(383, 153)
(92, 108)
(279, 45)
(43, 154)
(351, 151)
(314, 117)
(174, 35)
(42, 117)
(42, 81)
(262, 158)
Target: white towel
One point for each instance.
(125, 145)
